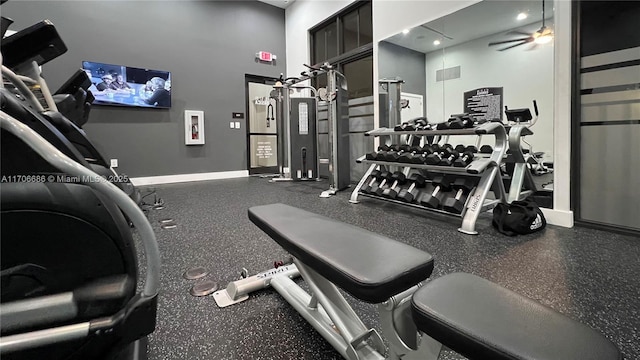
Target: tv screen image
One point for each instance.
(128, 86)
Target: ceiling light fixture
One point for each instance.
(405, 31)
(544, 39)
(436, 43)
(522, 16)
(544, 35)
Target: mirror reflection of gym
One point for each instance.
(488, 44)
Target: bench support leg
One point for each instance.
(398, 327)
(330, 314)
(317, 317)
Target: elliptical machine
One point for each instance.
(68, 267)
(69, 272)
(523, 117)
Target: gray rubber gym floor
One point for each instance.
(589, 275)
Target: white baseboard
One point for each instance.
(558, 217)
(170, 179)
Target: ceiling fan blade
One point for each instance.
(508, 41)
(518, 32)
(512, 46)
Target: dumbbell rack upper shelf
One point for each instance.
(487, 168)
(483, 129)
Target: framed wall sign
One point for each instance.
(194, 127)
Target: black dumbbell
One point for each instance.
(416, 152)
(410, 194)
(398, 178)
(382, 151)
(393, 156)
(442, 126)
(460, 148)
(486, 149)
(422, 124)
(373, 155)
(449, 158)
(378, 188)
(379, 155)
(405, 126)
(375, 176)
(433, 200)
(454, 122)
(471, 149)
(430, 127)
(465, 159)
(422, 156)
(392, 149)
(460, 121)
(456, 204)
(439, 153)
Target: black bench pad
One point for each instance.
(482, 320)
(369, 266)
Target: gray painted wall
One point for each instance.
(409, 65)
(208, 46)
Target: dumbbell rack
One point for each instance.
(488, 169)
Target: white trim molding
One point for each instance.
(558, 217)
(562, 166)
(180, 178)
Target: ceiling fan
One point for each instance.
(540, 36)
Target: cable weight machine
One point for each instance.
(298, 144)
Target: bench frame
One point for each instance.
(330, 314)
(409, 315)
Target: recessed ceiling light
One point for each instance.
(522, 16)
(436, 43)
(405, 31)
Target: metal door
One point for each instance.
(262, 132)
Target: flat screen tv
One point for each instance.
(128, 86)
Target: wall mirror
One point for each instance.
(449, 56)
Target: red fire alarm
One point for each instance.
(265, 56)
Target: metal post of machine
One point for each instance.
(280, 123)
(303, 137)
(390, 103)
(338, 124)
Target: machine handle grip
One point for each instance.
(535, 107)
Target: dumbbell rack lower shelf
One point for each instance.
(487, 205)
(488, 169)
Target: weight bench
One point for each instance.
(468, 314)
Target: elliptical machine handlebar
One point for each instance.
(22, 87)
(535, 110)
